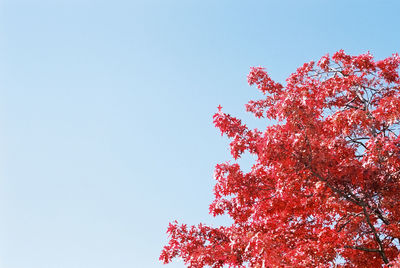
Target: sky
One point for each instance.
(106, 108)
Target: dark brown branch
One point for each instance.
(377, 239)
(349, 196)
(347, 219)
(357, 142)
(363, 249)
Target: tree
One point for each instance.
(325, 184)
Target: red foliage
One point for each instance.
(326, 181)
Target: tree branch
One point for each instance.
(377, 239)
(363, 249)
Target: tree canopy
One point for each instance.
(325, 185)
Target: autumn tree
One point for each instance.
(325, 185)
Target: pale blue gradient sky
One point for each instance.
(106, 128)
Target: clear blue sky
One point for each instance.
(106, 128)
